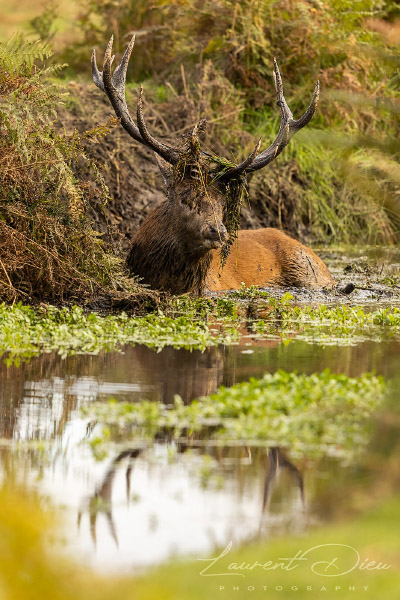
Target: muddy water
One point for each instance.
(140, 505)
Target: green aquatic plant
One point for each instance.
(338, 325)
(318, 414)
(260, 315)
(26, 332)
(186, 323)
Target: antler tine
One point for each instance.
(288, 126)
(96, 74)
(119, 77)
(308, 115)
(236, 171)
(107, 78)
(286, 113)
(198, 128)
(193, 138)
(113, 84)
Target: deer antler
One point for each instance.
(287, 129)
(114, 86)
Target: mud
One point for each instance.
(373, 273)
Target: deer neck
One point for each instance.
(165, 259)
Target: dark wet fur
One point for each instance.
(164, 255)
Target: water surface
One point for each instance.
(142, 504)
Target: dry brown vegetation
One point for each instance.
(49, 249)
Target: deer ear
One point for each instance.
(166, 172)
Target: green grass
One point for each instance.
(373, 536)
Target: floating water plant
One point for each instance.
(26, 332)
(318, 414)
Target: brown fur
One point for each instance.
(268, 257)
(172, 251)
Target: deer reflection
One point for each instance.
(277, 461)
(273, 459)
(274, 463)
(101, 500)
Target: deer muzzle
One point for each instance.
(216, 235)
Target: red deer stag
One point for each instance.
(175, 249)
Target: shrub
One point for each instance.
(49, 250)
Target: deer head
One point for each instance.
(172, 249)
